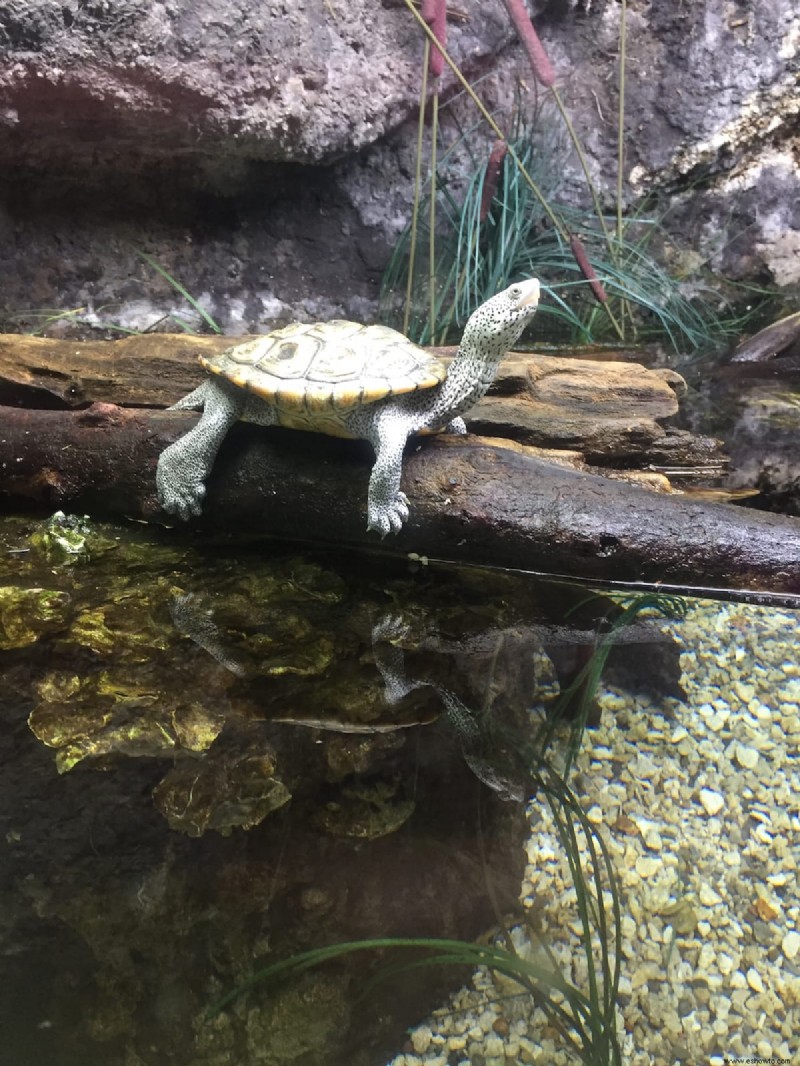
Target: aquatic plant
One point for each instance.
(586, 1018)
(575, 702)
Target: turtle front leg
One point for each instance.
(185, 465)
(387, 506)
(457, 426)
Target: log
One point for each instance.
(612, 412)
(474, 500)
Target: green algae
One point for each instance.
(27, 614)
(158, 650)
(223, 796)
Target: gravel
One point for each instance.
(699, 804)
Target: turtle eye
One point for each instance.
(515, 292)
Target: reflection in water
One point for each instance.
(292, 752)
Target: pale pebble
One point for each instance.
(754, 979)
(706, 957)
(493, 1047)
(790, 945)
(746, 757)
(724, 963)
(646, 866)
(421, 1039)
(652, 840)
(708, 896)
(718, 720)
(744, 690)
(777, 880)
(712, 802)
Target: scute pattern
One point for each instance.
(309, 369)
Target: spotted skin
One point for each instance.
(229, 395)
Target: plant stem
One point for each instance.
(537, 192)
(598, 210)
(412, 250)
(621, 116)
(465, 85)
(432, 217)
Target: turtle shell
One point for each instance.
(325, 367)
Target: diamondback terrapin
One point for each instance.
(346, 380)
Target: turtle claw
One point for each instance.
(391, 629)
(186, 503)
(389, 518)
(179, 493)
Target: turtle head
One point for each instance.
(497, 324)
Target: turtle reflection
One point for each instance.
(506, 670)
(355, 696)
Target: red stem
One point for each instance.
(582, 259)
(435, 14)
(540, 61)
(492, 176)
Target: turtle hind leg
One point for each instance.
(193, 401)
(184, 466)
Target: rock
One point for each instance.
(790, 945)
(648, 866)
(652, 840)
(712, 802)
(708, 896)
(746, 757)
(421, 1039)
(256, 149)
(301, 82)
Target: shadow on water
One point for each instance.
(213, 760)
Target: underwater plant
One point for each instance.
(585, 1017)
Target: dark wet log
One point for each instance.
(473, 500)
(779, 338)
(613, 412)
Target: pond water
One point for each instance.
(214, 760)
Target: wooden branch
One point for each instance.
(473, 500)
(613, 412)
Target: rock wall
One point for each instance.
(263, 154)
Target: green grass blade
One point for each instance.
(206, 317)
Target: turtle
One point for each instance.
(346, 380)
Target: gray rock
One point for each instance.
(295, 82)
(263, 154)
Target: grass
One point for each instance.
(575, 702)
(621, 290)
(47, 318)
(477, 257)
(198, 307)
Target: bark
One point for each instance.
(613, 412)
(473, 500)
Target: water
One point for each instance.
(213, 760)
